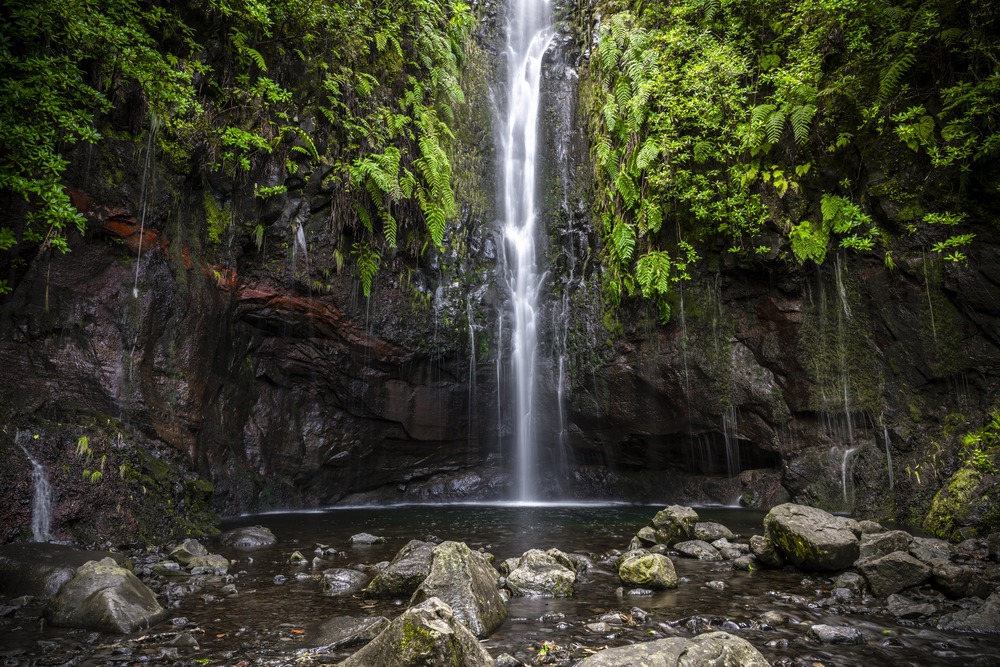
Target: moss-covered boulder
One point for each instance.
(712, 649)
(466, 581)
(674, 524)
(539, 574)
(811, 538)
(427, 634)
(647, 570)
(968, 505)
(407, 570)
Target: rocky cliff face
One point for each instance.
(247, 375)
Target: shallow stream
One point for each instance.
(269, 623)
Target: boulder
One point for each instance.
(985, 618)
(648, 570)
(811, 538)
(187, 550)
(248, 538)
(930, 550)
(106, 597)
(539, 574)
(869, 527)
(698, 549)
(366, 539)
(893, 573)
(903, 607)
(647, 535)
(765, 553)
(339, 581)
(342, 631)
(40, 569)
(876, 545)
(466, 581)
(836, 634)
(427, 634)
(852, 581)
(993, 546)
(709, 531)
(674, 524)
(712, 649)
(213, 563)
(575, 562)
(410, 567)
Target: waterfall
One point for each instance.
(529, 35)
(41, 503)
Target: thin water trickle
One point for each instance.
(529, 35)
(41, 502)
(844, 474)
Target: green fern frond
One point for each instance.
(775, 126)
(623, 242)
(801, 118)
(892, 75)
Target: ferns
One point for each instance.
(891, 76)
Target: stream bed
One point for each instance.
(268, 611)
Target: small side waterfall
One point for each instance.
(529, 35)
(41, 503)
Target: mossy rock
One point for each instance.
(966, 506)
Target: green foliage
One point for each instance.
(721, 116)
(215, 80)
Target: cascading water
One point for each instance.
(41, 503)
(529, 35)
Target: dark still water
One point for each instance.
(264, 622)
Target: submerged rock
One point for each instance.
(648, 570)
(427, 634)
(836, 634)
(893, 573)
(466, 581)
(248, 538)
(366, 538)
(811, 538)
(401, 577)
(539, 574)
(674, 524)
(106, 597)
(712, 649)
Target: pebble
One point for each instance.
(716, 585)
(640, 591)
(279, 578)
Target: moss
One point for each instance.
(217, 218)
(951, 506)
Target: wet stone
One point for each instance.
(698, 549)
(716, 585)
(366, 539)
(836, 634)
(903, 607)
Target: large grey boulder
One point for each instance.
(811, 538)
(40, 569)
(647, 570)
(339, 581)
(466, 581)
(876, 545)
(985, 618)
(893, 573)
(106, 597)
(248, 538)
(712, 649)
(411, 566)
(930, 550)
(342, 631)
(214, 563)
(428, 634)
(539, 574)
(674, 524)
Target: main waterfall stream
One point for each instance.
(530, 33)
